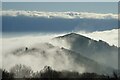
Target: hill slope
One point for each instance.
(60, 59)
(99, 51)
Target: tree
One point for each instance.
(47, 72)
(21, 71)
(6, 75)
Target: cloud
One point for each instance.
(69, 15)
(109, 36)
(39, 61)
(10, 44)
(35, 21)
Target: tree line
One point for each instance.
(23, 72)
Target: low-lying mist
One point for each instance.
(43, 54)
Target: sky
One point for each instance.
(60, 0)
(97, 7)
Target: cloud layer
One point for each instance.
(109, 36)
(35, 21)
(12, 43)
(69, 15)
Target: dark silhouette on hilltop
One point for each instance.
(26, 48)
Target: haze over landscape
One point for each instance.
(81, 41)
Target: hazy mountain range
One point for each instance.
(18, 21)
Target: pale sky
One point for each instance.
(60, 0)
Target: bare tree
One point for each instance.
(21, 71)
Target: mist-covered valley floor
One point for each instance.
(78, 52)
